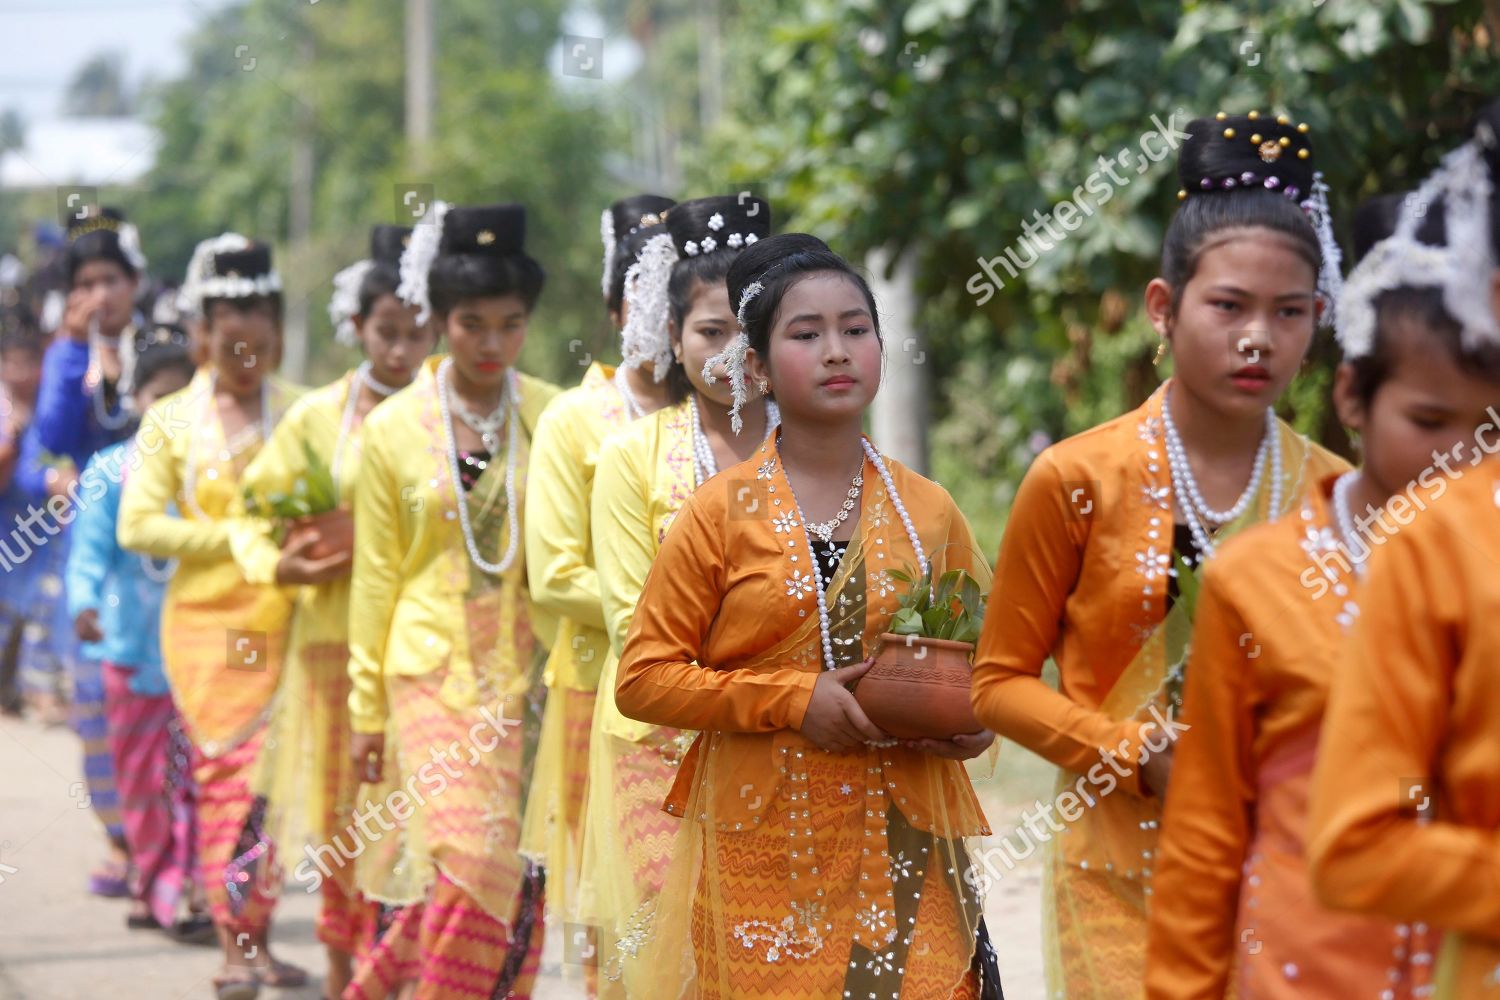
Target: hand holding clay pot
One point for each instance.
(919, 688)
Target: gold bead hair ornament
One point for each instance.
(645, 336)
(417, 258)
(1270, 149)
(1462, 268)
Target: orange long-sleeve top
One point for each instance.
(1414, 720)
(732, 581)
(1267, 636)
(1082, 578)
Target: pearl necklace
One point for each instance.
(346, 423)
(190, 467)
(487, 427)
(632, 405)
(1344, 518)
(705, 467)
(508, 402)
(824, 630)
(1185, 485)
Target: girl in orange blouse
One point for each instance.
(1405, 818)
(1086, 566)
(1231, 887)
(816, 858)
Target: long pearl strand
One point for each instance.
(632, 405)
(704, 465)
(449, 441)
(824, 630)
(190, 467)
(1185, 485)
(346, 423)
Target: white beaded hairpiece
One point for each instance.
(645, 336)
(417, 258)
(201, 283)
(607, 236)
(1330, 274)
(1462, 268)
(733, 359)
(343, 305)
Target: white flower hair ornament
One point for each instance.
(130, 246)
(1462, 268)
(645, 336)
(733, 359)
(417, 258)
(607, 237)
(343, 305)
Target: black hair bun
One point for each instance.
(484, 230)
(1377, 217)
(636, 212)
(756, 262)
(1235, 152)
(723, 222)
(387, 243)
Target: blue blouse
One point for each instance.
(126, 588)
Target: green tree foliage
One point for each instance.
(99, 88)
(262, 75)
(937, 127)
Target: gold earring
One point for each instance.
(764, 385)
(1161, 352)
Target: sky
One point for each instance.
(44, 42)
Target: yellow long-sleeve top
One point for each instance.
(1413, 720)
(222, 637)
(560, 550)
(411, 567)
(317, 420)
(645, 475)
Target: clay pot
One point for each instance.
(919, 688)
(333, 529)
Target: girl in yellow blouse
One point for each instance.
(222, 635)
(560, 553)
(1405, 815)
(815, 857)
(440, 640)
(1232, 896)
(309, 780)
(1086, 565)
(644, 475)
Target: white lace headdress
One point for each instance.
(645, 337)
(1463, 268)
